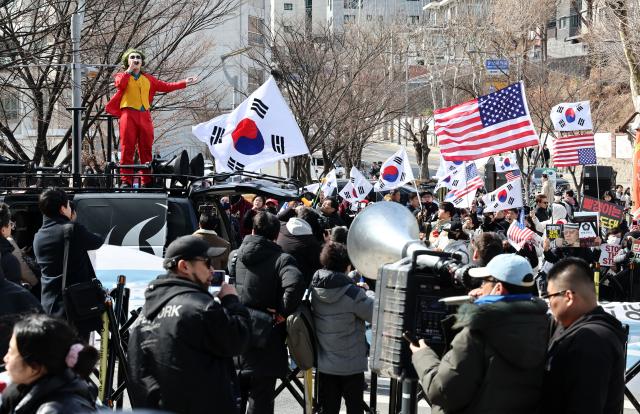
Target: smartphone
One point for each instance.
(218, 278)
(411, 338)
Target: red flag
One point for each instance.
(489, 125)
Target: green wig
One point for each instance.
(125, 57)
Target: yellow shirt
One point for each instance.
(136, 95)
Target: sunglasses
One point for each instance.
(550, 295)
(489, 280)
(207, 260)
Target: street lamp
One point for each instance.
(232, 80)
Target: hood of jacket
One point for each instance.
(516, 330)
(163, 289)
(329, 286)
(298, 227)
(597, 316)
(5, 246)
(255, 249)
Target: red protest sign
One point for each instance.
(610, 213)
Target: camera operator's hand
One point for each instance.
(363, 285)
(415, 349)
(227, 289)
(546, 244)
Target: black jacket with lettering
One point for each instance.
(181, 348)
(585, 366)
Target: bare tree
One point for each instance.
(35, 73)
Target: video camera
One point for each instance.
(411, 281)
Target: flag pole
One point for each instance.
(418, 193)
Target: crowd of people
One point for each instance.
(534, 339)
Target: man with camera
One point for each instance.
(48, 246)
(209, 223)
(496, 361)
(181, 346)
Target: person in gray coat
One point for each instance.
(340, 309)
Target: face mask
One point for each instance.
(613, 240)
(226, 206)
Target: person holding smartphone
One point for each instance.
(181, 346)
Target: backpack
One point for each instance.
(301, 336)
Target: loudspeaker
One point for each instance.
(196, 166)
(598, 177)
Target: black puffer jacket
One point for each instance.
(14, 302)
(585, 366)
(181, 348)
(61, 394)
(297, 239)
(8, 262)
(267, 278)
(48, 245)
(496, 363)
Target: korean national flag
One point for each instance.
(395, 171)
(329, 183)
(572, 116)
(504, 197)
(260, 131)
(505, 162)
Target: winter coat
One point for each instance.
(211, 237)
(496, 362)
(548, 190)
(8, 262)
(267, 278)
(340, 309)
(52, 394)
(585, 366)
(459, 246)
(181, 348)
(48, 246)
(329, 221)
(296, 238)
(14, 302)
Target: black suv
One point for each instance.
(148, 219)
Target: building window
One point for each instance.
(351, 4)
(288, 29)
(414, 19)
(256, 26)
(255, 79)
(380, 19)
(369, 17)
(8, 107)
(288, 6)
(349, 18)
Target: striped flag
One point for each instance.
(518, 234)
(574, 150)
(485, 126)
(512, 175)
(462, 197)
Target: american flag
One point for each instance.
(474, 181)
(512, 175)
(518, 233)
(485, 126)
(574, 150)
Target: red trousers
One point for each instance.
(136, 128)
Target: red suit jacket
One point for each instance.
(122, 79)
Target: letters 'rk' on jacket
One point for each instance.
(181, 348)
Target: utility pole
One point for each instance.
(76, 97)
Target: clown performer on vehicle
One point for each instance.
(132, 103)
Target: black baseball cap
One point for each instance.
(190, 247)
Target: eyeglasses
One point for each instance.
(550, 295)
(489, 280)
(207, 260)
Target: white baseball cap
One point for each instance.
(509, 268)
